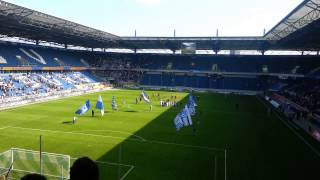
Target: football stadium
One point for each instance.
(81, 103)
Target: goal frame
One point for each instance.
(12, 159)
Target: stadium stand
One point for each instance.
(22, 84)
(299, 101)
(234, 72)
(31, 73)
(18, 55)
(205, 71)
(223, 63)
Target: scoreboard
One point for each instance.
(188, 48)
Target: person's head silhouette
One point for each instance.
(33, 177)
(84, 168)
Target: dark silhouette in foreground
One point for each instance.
(83, 169)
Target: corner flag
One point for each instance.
(83, 109)
(100, 105)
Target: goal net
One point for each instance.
(22, 162)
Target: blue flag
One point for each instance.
(145, 97)
(185, 117)
(84, 109)
(192, 105)
(100, 105)
(192, 108)
(191, 100)
(113, 103)
(178, 122)
(188, 114)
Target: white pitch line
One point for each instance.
(4, 127)
(294, 131)
(225, 164)
(185, 145)
(109, 163)
(122, 132)
(24, 171)
(136, 140)
(215, 167)
(65, 132)
(127, 173)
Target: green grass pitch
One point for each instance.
(133, 143)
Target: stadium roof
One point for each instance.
(297, 31)
(300, 28)
(203, 43)
(301, 16)
(17, 21)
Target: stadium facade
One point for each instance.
(43, 57)
(232, 71)
(42, 54)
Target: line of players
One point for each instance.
(172, 102)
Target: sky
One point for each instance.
(161, 17)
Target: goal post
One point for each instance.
(53, 166)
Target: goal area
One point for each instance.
(19, 162)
